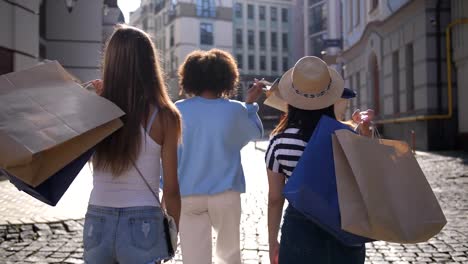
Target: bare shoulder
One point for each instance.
(169, 122)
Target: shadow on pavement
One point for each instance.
(463, 156)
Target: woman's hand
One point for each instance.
(98, 86)
(254, 92)
(274, 252)
(364, 121)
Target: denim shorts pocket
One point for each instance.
(93, 231)
(145, 231)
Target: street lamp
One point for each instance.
(70, 4)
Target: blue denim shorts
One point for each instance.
(124, 235)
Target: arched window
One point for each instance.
(206, 8)
(374, 4)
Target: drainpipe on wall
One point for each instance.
(438, 58)
(449, 114)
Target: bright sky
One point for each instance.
(128, 6)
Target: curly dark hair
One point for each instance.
(214, 70)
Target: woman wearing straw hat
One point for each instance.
(310, 89)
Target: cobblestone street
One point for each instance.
(34, 233)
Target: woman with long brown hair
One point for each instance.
(124, 221)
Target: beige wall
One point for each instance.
(75, 39)
(387, 39)
(19, 27)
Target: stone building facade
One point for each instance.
(34, 30)
(395, 57)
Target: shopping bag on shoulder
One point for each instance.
(311, 189)
(47, 121)
(383, 193)
(51, 190)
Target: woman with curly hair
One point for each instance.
(211, 177)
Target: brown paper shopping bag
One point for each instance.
(47, 120)
(383, 193)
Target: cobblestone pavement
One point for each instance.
(61, 242)
(20, 208)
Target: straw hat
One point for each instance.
(310, 85)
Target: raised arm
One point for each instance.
(256, 126)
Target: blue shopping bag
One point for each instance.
(312, 190)
(52, 189)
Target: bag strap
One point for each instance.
(151, 120)
(146, 182)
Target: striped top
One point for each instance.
(284, 151)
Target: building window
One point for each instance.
(171, 36)
(206, 34)
(350, 5)
(239, 38)
(274, 41)
(251, 62)
(285, 41)
(261, 12)
(409, 70)
(284, 15)
(285, 64)
(357, 12)
(396, 82)
(251, 40)
(274, 13)
(238, 10)
(172, 61)
(374, 4)
(313, 2)
(274, 63)
(375, 100)
(262, 63)
(358, 90)
(239, 61)
(206, 8)
(318, 18)
(42, 51)
(262, 39)
(144, 24)
(316, 45)
(250, 12)
(351, 103)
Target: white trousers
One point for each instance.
(199, 215)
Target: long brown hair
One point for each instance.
(133, 80)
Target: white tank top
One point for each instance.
(129, 189)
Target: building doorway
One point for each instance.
(6, 61)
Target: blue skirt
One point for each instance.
(302, 241)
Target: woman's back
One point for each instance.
(284, 151)
(214, 132)
(129, 189)
(124, 222)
